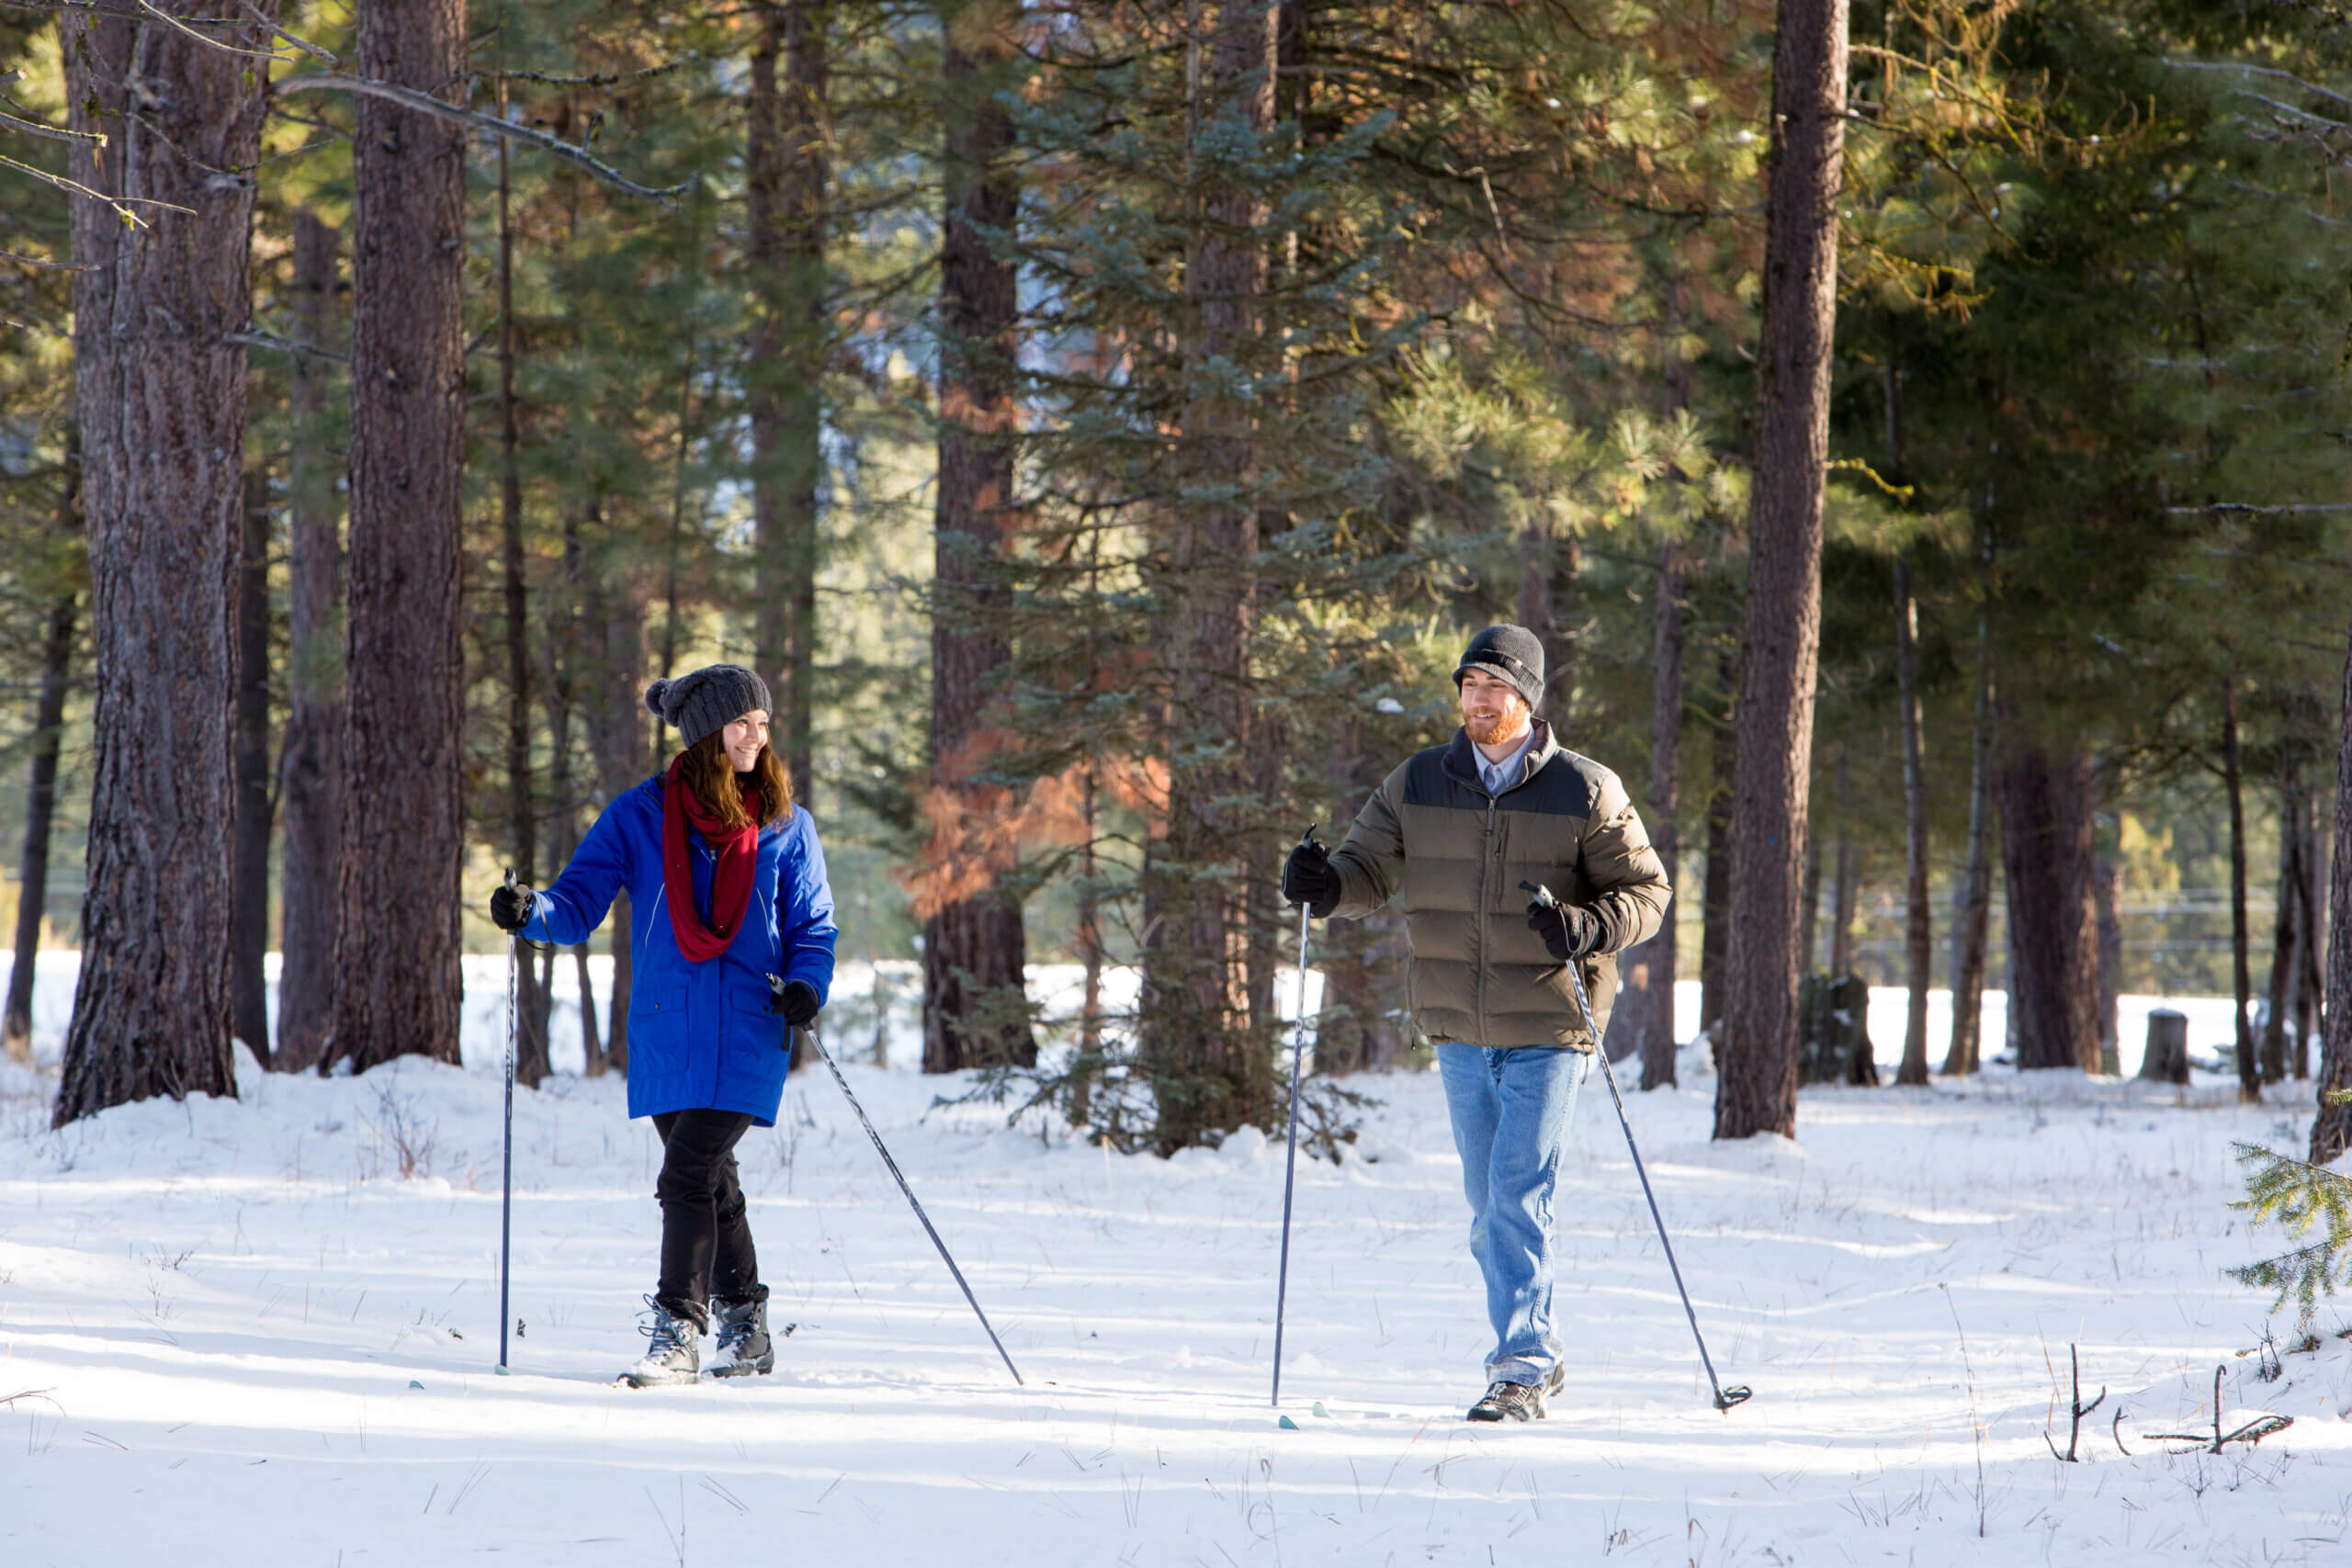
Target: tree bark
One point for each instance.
(614, 632)
(1209, 1072)
(310, 763)
(975, 955)
(1714, 907)
(2047, 856)
(1757, 1091)
(1975, 914)
(161, 408)
(1845, 892)
(249, 843)
(1919, 938)
(58, 638)
(403, 825)
(1645, 1015)
(2241, 966)
(789, 174)
(531, 996)
(2107, 888)
(2332, 1127)
(2308, 992)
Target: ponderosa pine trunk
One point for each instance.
(249, 838)
(310, 763)
(1757, 1090)
(161, 409)
(1973, 917)
(1209, 1074)
(974, 954)
(2046, 855)
(789, 170)
(2332, 1127)
(58, 637)
(531, 997)
(403, 755)
(2241, 964)
(1645, 1015)
(1919, 941)
(1715, 904)
(613, 635)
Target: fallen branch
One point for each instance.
(2253, 1431)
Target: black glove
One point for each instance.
(1569, 930)
(796, 999)
(511, 906)
(1308, 879)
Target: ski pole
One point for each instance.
(1738, 1394)
(865, 1121)
(506, 1177)
(1290, 1160)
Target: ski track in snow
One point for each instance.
(217, 1316)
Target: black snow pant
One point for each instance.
(705, 1239)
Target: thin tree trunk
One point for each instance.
(532, 999)
(974, 954)
(310, 763)
(2107, 885)
(1809, 917)
(249, 852)
(1846, 892)
(561, 639)
(2312, 943)
(789, 170)
(2279, 998)
(1919, 938)
(403, 821)
(1209, 1072)
(2047, 856)
(2332, 1127)
(57, 644)
(1976, 899)
(1757, 1090)
(613, 633)
(2241, 964)
(1645, 1015)
(161, 407)
(1714, 908)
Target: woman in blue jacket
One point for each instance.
(726, 888)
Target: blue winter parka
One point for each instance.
(700, 1035)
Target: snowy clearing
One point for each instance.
(264, 1331)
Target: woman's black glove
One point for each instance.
(795, 999)
(1308, 879)
(511, 906)
(1569, 930)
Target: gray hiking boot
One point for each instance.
(1509, 1402)
(743, 1344)
(672, 1354)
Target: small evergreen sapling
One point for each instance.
(2296, 1196)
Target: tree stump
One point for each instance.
(2167, 1060)
(1833, 1030)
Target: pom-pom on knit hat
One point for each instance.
(704, 701)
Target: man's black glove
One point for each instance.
(1569, 930)
(1308, 879)
(511, 906)
(795, 999)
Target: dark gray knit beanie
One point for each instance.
(705, 701)
(1508, 653)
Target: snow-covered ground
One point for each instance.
(262, 1331)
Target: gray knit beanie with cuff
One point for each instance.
(704, 701)
(1511, 654)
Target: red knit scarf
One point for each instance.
(738, 852)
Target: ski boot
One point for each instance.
(743, 1344)
(671, 1355)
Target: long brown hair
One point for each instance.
(711, 773)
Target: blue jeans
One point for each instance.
(1511, 1109)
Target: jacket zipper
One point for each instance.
(1486, 912)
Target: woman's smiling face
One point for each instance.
(745, 739)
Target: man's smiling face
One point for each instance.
(1492, 710)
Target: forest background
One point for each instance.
(1103, 426)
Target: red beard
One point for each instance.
(1493, 731)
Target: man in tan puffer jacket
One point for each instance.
(1454, 833)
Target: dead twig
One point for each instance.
(2075, 1433)
(2253, 1431)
